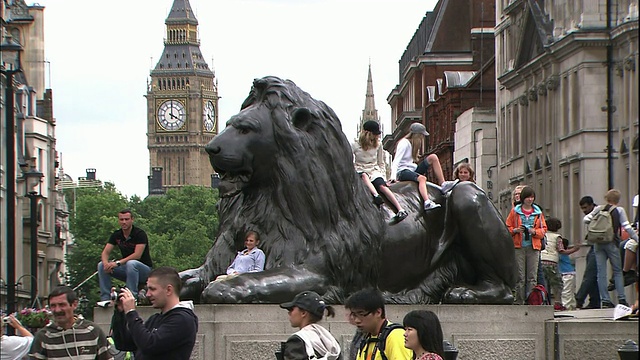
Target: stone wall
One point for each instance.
(229, 332)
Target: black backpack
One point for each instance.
(381, 339)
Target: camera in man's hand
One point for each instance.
(115, 293)
(5, 320)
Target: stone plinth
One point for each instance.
(229, 332)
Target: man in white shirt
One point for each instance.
(15, 347)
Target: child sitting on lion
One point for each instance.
(369, 163)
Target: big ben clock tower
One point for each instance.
(182, 106)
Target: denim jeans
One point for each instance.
(540, 277)
(132, 273)
(423, 167)
(589, 285)
(609, 251)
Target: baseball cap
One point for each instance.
(372, 126)
(417, 128)
(308, 301)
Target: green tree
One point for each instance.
(94, 218)
(180, 225)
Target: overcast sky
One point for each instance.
(101, 56)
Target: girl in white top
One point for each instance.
(407, 165)
(368, 158)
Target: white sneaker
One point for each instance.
(448, 185)
(430, 205)
(104, 303)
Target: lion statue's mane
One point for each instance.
(287, 172)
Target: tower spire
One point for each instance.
(181, 12)
(181, 45)
(370, 112)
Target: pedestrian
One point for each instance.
(135, 263)
(568, 273)
(381, 336)
(312, 341)
(408, 164)
(368, 159)
(69, 336)
(14, 347)
(611, 251)
(357, 339)
(557, 264)
(589, 284)
(423, 335)
(527, 227)
(630, 260)
(170, 334)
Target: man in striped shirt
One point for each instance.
(69, 336)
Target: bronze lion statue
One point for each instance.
(287, 172)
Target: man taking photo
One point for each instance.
(134, 266)
(170, 334)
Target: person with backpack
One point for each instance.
(383, 339)
(312, 341)
(527, 227)
(603, 225)
(589, 285)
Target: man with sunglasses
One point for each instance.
(382, 339)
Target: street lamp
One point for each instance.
(10, 66)
(33, 179)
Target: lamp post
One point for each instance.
(33, 179)
(11, 66)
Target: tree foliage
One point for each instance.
(180, 225)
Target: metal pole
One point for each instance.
(33, 196)
(10, 177)
(610, 106)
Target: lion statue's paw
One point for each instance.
(192, 284)
(223, 292)
(483, 293)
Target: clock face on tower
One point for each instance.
(209, 116)
(171, 115)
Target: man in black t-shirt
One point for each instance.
(135, 264)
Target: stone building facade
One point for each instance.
(35, 149)
(446, 69)
(567, 102)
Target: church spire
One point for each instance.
(370, 112)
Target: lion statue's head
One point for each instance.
(287, 171)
